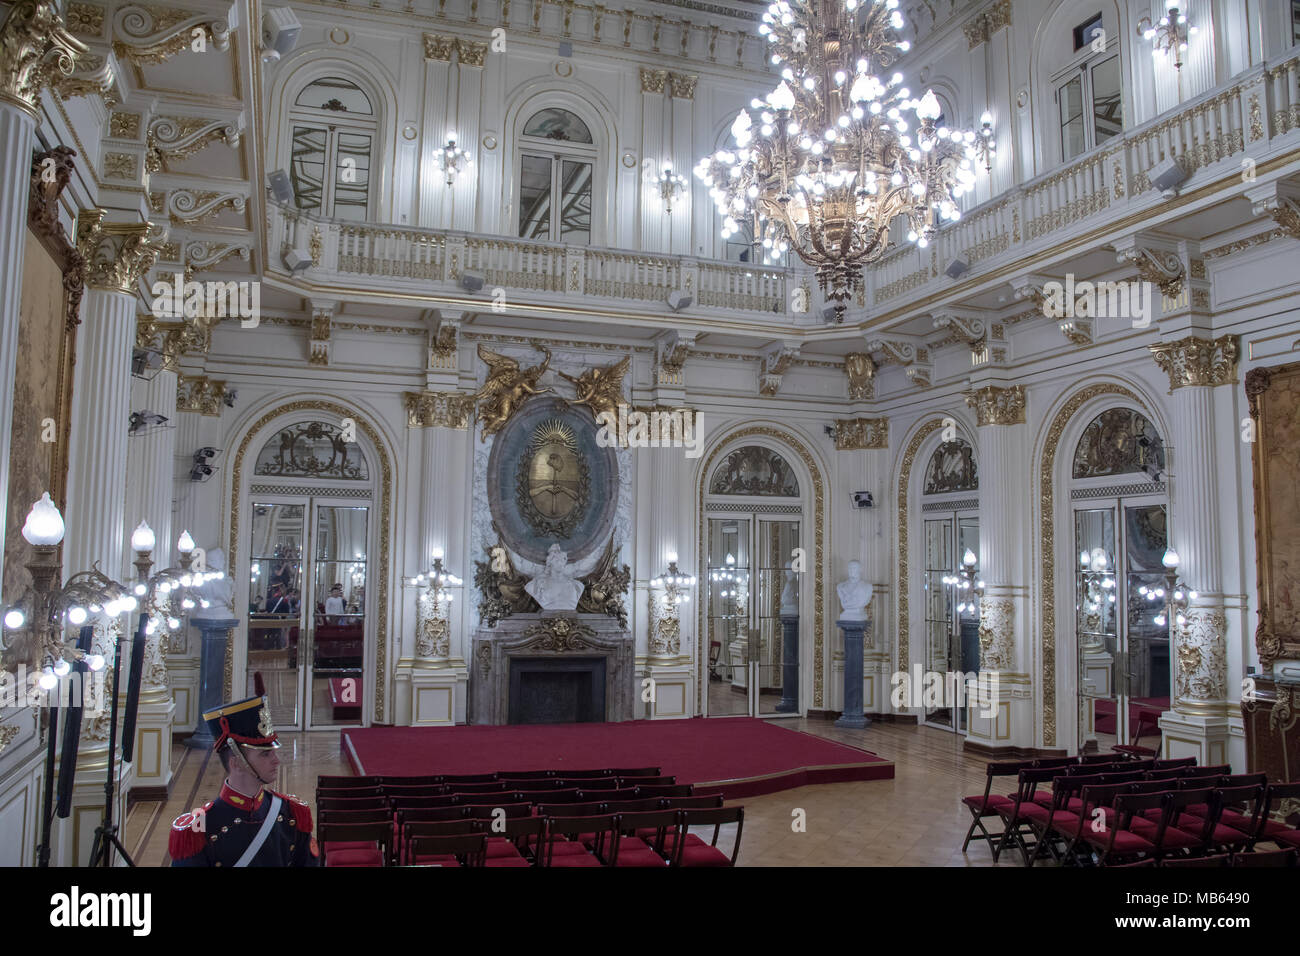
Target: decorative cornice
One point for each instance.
(198, 393)
(861, 372)
(439, 409)
(1197, 361)
(36, 52)
(148, 35)
(852, 434)
(1164, 269)
(117, 254)
(1285, 212)
(995, 405)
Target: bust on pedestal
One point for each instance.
(555, 589)
(214, 623)
(855, 595)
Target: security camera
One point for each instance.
(201, 472)
(230, 397)
(862, 499)
(280, 29)
(144, 419)
(472, 281)
(281, 186)
(203, 454)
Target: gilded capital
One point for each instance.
(36, 52)
(995, 405)
(117, 254)
(200, 394)
(852, 434)
(652, 81)
(438, 409)
(1196, 361)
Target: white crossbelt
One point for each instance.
(267, 825)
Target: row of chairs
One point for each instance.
(631, 833)
(1264, 858)
(358, 798)
(538, 778)
(1109, 818)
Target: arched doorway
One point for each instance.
(1120, 530)
(757, 591)
(309, 566)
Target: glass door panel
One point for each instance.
(1146, 659)
(1102, 718)
(337, 622)
(966, 651)
(728, 616)
(938, 600)
(275, 609)
(776, 613)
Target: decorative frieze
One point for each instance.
(995, 405)
(853, 434)
(36, 51)
(1197, 361)
(118, 255)
(122, 125)
(1201, 673)
(85, 20)
(861, 372)
(439, 409)
(205, 254)
(198, 393)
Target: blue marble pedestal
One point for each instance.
(212, 674)
(853, 716)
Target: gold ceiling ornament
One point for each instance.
(862, 375)
(1164, 269)
(438, 409)
(852, 434)
(117, 254)
(506, 388)
(1197, 361)
(36, 52)
(600, 389)
(995, 405)
(148, 35)
(826, 162)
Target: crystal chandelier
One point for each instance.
(826, 162)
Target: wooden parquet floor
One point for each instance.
(916, 819)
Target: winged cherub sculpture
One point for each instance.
(506, 388)
(600, 389)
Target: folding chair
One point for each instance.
(1182, 831)
(674, 790)
(662, 829)
(689, 854)
(1268, 858)
(543, 796)
(463, 789)
(376, 802)
(1017, 813)
(986, 804)
(1170, 773)
(1096, 758)
(424, 803)
(1214, 861)
(451, 850)
(1273, 831)
(1118, 840)
(1225, 837)
(641, 805)
(355, 844)
(531, 783)
(1173, 762)
(516, 844)
(1092, 797)
(351, 793)
(1062, 817)
(563, 841)
(410, 854)
(339, 783)
(416, 790)
(527, 774)
(693, 803)
(469, 778)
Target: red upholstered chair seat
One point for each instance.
(704, 856)
(507, 861)
(1125, 841)
(1289, 838)
(500, 847)
(581, 858)
(433, 859)
(1242, 822)
(335, 845)
(986, 809)
(633, 851)
(369, 856)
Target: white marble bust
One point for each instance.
(555, 589)
(219, 592)
(790, 593)
(855, 594)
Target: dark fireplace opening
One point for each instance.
(557, 691)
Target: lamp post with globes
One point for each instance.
(435, 606)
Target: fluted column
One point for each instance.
(1199, 721)
(1001, 707)
(149, 498)
(118, 254)
(34, 50)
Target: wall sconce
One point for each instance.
(451, 158)
(433, 634)
(671, 186)
(665, 614)
(1174, 597)
(1169, 34)
(986, 149)
(967, 580)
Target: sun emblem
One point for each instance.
(264, 725)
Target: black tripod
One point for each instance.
(106, 838)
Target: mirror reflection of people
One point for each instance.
(335, 606)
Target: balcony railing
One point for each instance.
(1217, 129)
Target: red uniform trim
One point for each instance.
(184, 841)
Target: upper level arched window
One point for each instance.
(754, 470)
(1119, 441)
(557, 161)
(333, 151)
(312, 450)
(1088, 90)
(952, 468)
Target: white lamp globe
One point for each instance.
(186, 543)
(142, 538)
(44, 523)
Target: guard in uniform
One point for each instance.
(248, 824)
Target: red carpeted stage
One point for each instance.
(735, 756)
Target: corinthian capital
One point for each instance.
(117, 254)
(998, 406)
(1195, 361)
(36, 51)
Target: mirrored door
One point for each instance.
(753, 617)
(307, 610)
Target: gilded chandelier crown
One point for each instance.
(827, 161)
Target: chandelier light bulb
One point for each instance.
(186, 543)
(44, 524)
(62, 667)
(1170, 559)
(95, 662)
(77, 616)
(47, 680)
(142, 538)
(15, 619)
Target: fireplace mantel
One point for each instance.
(550, 635)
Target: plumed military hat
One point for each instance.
(247, 722)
